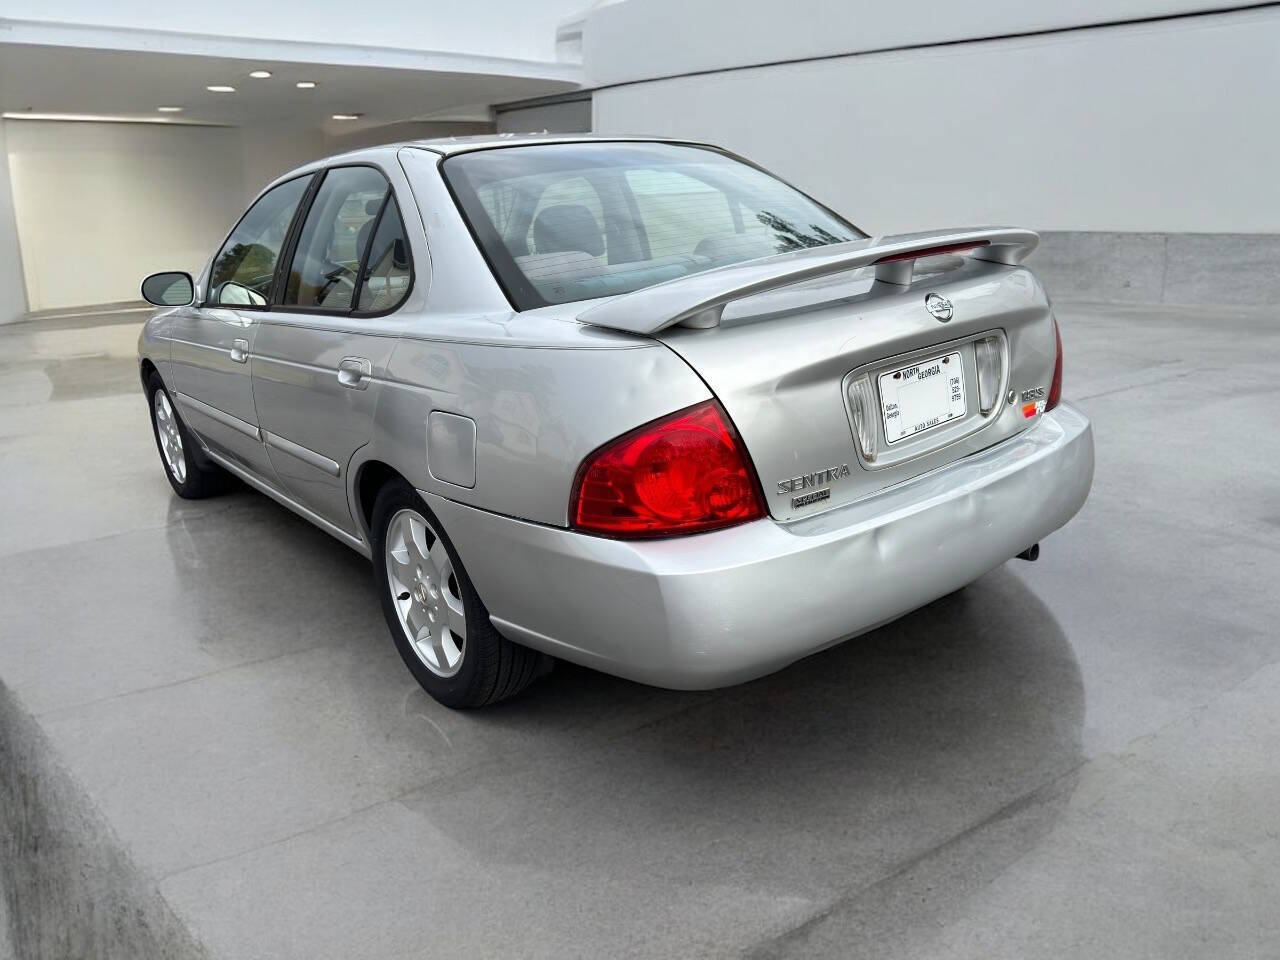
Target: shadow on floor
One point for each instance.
(826, 777)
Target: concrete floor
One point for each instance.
(1074, 758)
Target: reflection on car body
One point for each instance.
(635, 404)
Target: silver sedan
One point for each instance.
(635, 404)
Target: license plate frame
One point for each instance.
(919, 397)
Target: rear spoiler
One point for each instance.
(699, 300)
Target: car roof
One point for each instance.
(447, 146)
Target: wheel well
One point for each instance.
(373, 477)
(148, 368)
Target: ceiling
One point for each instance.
(44, 79)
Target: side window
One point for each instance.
(245, 266)
(679, 212)
(387, 273)
(338, 227)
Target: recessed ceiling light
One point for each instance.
(169, 109)
(347, 116)
(220, 88)
(305, 84)
(259, 74)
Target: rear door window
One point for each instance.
(339, 226)
(388, 272)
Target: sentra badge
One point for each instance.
(817, 479)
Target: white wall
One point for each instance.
(100, 205)
(644, 39)
(269, 152)
(1165, 126)
(13, 298)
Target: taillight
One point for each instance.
(685, 473)
(1055, 387)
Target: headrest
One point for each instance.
(565, 227)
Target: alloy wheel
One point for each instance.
(425, 593)
(170, 437)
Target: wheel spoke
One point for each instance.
(401, 569)
(440, 649)
(439, 557)
(415, 619)
(417, 541)
(456, 616)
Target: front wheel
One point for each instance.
(437, 621)
(191, 474)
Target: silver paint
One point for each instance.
(704, 296)
(543, 388)
(704, 611)
(451, 448)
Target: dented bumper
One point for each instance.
(724, 607)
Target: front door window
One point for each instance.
(245, 267)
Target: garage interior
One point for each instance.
(210, 748)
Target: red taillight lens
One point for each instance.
(1055, 388)
(685, 473)
(932, 251)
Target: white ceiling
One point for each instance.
(130, 83)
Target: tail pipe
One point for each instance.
(1031, 553)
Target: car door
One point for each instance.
(213, 340)
(320, 353)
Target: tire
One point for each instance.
(192, 475)
(425, 591)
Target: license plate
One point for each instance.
(922, 396)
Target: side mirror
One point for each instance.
(173, 289)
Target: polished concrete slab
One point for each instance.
(1072, 758)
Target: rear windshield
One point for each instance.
(566, 222)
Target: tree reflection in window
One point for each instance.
(791, 237)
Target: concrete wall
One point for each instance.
(564, 116)
(100, 205)
(1174, 268)
(405, 130)
(1153, 127)
(13, 296)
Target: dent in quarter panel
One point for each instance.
(538, 413)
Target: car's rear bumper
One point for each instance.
(723, 607)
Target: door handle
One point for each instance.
(240, 351)
(355, 372)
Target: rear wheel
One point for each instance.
(438, 623)
(192, 475)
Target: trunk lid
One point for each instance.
(783, 363)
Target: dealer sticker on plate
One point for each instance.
(922, 396)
